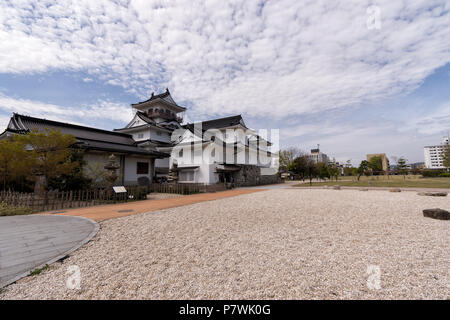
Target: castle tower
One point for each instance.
(161, 108)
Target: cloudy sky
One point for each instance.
(354, 76)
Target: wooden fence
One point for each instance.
(186, 188)
(58, 200)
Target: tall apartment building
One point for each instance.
(318, 156)
(433, 155)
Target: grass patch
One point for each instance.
(35, 272)
(384, 182)
(7, 210)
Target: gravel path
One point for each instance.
(277, 244)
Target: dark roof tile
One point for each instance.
(217, 123)
(90, 138)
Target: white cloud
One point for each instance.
(435, 122)
(347, 136)
(3, 122)
(273, 59)
(102, 111)
(346, 142)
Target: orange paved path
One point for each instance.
(100, 213)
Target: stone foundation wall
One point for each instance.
(247, 176)
(250, 175)
(272, 179)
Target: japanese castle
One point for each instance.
(156, 146)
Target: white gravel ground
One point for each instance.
(278, 244)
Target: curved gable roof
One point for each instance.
(21, 124)
(218, 123)
(89, 138)
(165, 97)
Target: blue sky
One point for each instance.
(318, 71)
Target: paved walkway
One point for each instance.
(29, 242)
(100, 213)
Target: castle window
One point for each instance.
(187, 175)
(140, 135)
(142, 168)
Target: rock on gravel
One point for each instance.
(433, 194)
(436, 214)
(278, 244)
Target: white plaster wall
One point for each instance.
(202, 175)
(145, 132)
(164, 137)
(130, 172)
(162, 163)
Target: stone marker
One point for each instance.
(337, 187)
(433, 194)
(395, 190)
(436, 214)
(363, 189)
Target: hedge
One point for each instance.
(7, 210)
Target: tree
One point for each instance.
(299, 166)
(446, 156)
(14, 162)
(348, 168)
(323, 170)
(287, 157)
(50, 155)
(363, 169)
(311, 169)
(402, 168)
(376, 165)
(305, 167)
(334, 171)
(75, 179)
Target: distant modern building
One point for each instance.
(409, 166)
(417, 165)
(433, 155)
(384, 160)
(318, 156)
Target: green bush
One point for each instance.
(431, 173)
(445, 174)
(7, 210)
